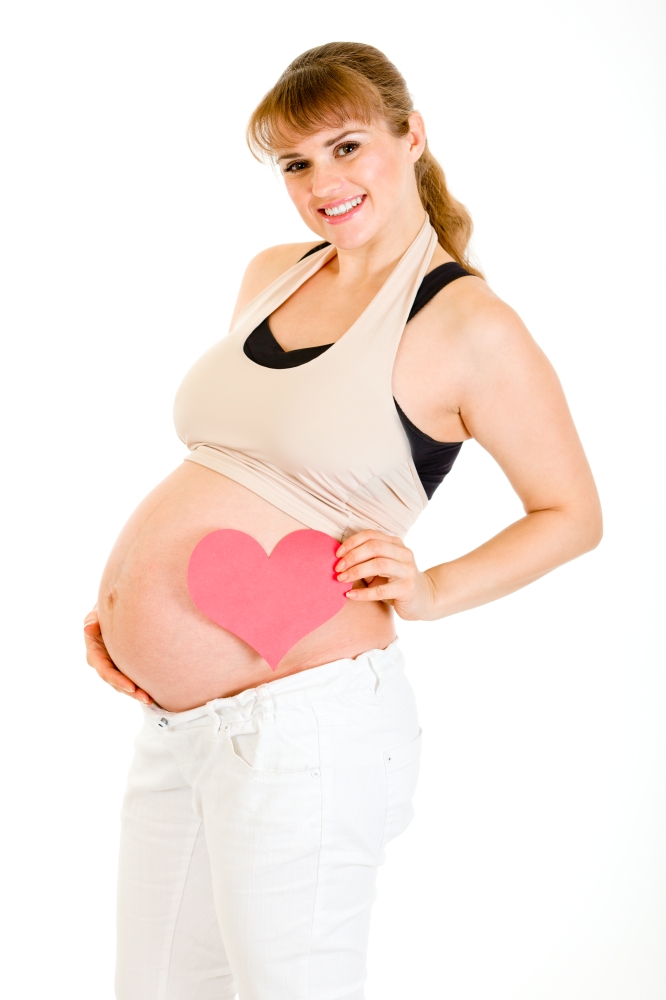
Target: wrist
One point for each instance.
(441, 604)
(430, 612)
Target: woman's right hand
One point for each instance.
(98, 657)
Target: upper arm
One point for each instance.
(265, 268)
(513, 405)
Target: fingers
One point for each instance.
(98, 657)
(390, 572)
(110, 673)
(381, 556)
(409, 597)
(383, 561)
(366, 536)
(91, 623)
(106, 669)
(382, 566)
(381, 591)
(138, 694)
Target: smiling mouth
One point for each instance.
(342, 208)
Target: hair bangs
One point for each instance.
(307, 100)
(338, 83)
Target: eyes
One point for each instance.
(344, 149)
(296, 167)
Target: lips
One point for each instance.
(343, 216)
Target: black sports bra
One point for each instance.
(432, 459)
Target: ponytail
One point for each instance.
(448, 217)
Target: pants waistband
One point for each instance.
(320, 682)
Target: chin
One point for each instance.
(349, 236)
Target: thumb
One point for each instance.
(91, 623)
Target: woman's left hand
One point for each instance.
(390, 572)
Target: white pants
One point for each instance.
(252, 832)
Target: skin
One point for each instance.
(466, 367)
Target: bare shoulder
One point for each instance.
(266, 267)
(465, 346)
(474, 319)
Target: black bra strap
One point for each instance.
(320, 246)
(433, 282)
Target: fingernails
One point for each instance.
(342, 576)
(340, 551)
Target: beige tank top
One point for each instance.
(323, 442)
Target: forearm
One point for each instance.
(520, 554)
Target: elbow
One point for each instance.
(594, 537)
(580, 527)
(591, 527)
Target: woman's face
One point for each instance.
(353, 182)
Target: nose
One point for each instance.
(326, 181)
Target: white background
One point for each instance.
(536, 867)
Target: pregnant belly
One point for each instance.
(153, 631)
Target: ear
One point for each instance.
(416, 136)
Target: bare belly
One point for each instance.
(152, 630)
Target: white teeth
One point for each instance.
(346, 207)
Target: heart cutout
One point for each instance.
(268, 601)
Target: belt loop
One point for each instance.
(267, 708)
(215, 716)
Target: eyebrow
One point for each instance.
(330, 142)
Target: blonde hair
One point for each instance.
(343, 81)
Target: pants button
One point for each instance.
(163, 723)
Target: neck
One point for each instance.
(380, 254)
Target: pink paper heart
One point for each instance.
(268, 601)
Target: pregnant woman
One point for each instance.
(281, 744)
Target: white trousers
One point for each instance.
(252, 829)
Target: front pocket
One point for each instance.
(282, 765)
(401, 766)
(261, 821)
